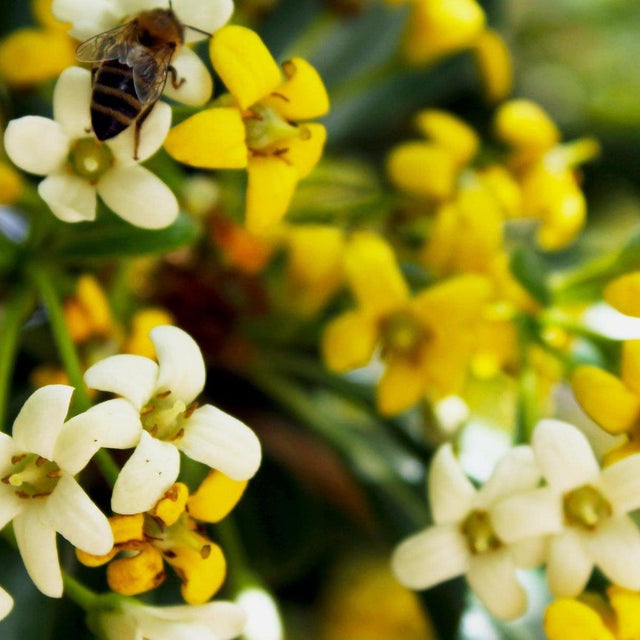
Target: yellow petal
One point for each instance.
(626, 604)
(143, 321)
(439, 251)
(623, 294)
(216, 496)
(504, 189)
(524, 124)
(10, 184)
(136, 574)
(403, 383)
(605, 399)
(202, 570)
(374, 275)
(305, 152)
(630, 373)
(450, 132)
(212, 139)
(423, 169)
(93, 299)
(272, 183)
(567, 619)
(302, 96)
(41, 10)
(127, 528)
(348, 341)
(624, 450)
(494, 65)
(89, 560)
(244, 64)
(172, 505)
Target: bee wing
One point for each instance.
(149, 72)
(109, 45)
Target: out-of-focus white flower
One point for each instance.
(39, 493)
(79, 167)
(134, 621)
(463, 540)
(91, 17)
(583, 507)
(6, 604)
(263, 617)
(167, 420)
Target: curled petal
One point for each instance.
(216, 496)
(138, 573)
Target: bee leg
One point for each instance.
(138, 125)
(175, 82)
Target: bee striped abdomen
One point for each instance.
(114, 103)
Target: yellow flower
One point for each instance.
(169, 533)
(494, 64)
(623, 294)
(256, 125)
(138, 342)
(10, 184)
(87, 312)
(425, 341)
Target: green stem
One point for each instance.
(16, 310)
(81, 595)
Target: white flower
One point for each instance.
(79, 167)
(6, 604)
(39, 493)
(91, 17)
(463, 540)
(133, 621)
(584, 507)
(167, 420)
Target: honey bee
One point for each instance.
(131, 64)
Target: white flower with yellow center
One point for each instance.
(38, 491)
(168, 420)
(78, 167)
(134, 621)
(91, 17)
(6, 604)
(463, 540)
(583, 507)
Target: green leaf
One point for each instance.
(531, 273)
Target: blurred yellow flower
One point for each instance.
(11, 184)
(256, 125)
(494, 64)
(87, 312)
(623, 294)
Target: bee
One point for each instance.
(131, 64)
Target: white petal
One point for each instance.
(197, 87)
(36, 144)
(37, 544)
(70, 511)
(620, 483)
(451, 493)
(132, 377)
(529, 553)
(516, 472)
(536, 513)
(139, 197)
(207, 16)
(7, 451)
(222, 442)
(88, 18)
(492, 577)
(430, 557)
(564, 455)
(569, 564)
(71, 198)
(114, 424)
(225, 619)
(40, 420)
(10, 506)
(153, 133)
(615, 548)
(148, 473)
(72, 102)
(181, 365)
(6, 603)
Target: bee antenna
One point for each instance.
(206, 33)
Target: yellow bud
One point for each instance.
(523, 124)
(452, 133)
(494, 65)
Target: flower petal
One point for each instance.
(492, 576)
(569, 564)
(564, 455)
(627, 607)
(216, 496)
(348, 341)
(207, 16)
(430, 557)
(132, 377)
(529, 553)
(88, 18)
(139, 197)
(451, 493)
(244, 64)
(70, 198)
(620, 483)
(70, 511)
(37, 544)
(222, 442)
(272, 183)
(631, 365)
(568, 619)
(36, 144)
(40, 420)
(114, 424)
(197, 87)
(135, 574)
(211, 139)
(623, 294)
(152, 136)
(305, 152)
(181, 367)
(6, 604)
(403, 384)
(72, 102)
(615, 548)
(149, 472)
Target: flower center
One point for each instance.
(266, 129)
(163, 417)
(586, 507)
(181, 534)
(402, 335)
(89, 158)
(32, 476)
(478, 531)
